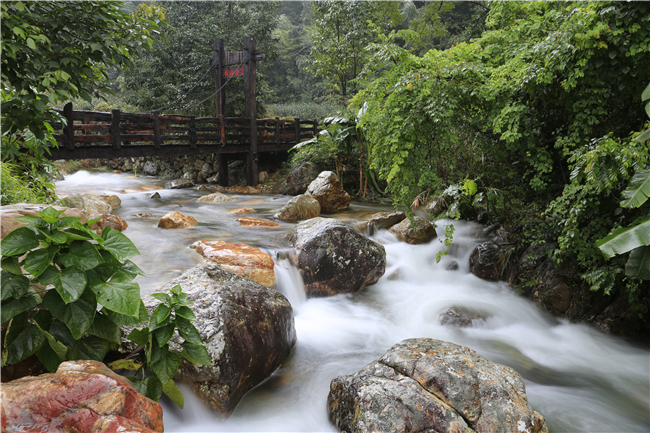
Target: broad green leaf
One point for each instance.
(103, 327)
(638, 264)
(55, 237)
(79, 235)
(50, 215)
(160, 314)
(187, 330)
(625, 239)
(33, 220)
(11, 264)
(196, 353)
(13, 286)
(140, 336)
(162, 297)
(132, 269)
(646, 93)
(120, 294)
(31, 44)
(125, 364)
(164, 334)
(124, 320)
(49, 357)
(645, 136)
(70, 282)
(89, 348)
(13, 307)
(118, 244)
(150, 387)
(638, 190)
(171, 390)
(166, 366)
(18, 242)
(26, 344)
(38, 260)
(15, 327)
(65, 222)
(77, 315)
(185, 312)
(43, 318)
(83, 255)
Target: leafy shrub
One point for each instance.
(304, 110)
(86, 271)
(16, 190)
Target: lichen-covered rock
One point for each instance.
(300, 207)
(176, 220)
(333, 258)
(81, 397)
(240, 259)
(179, 184)
(434, 386)
(486, 261)
(216, 197)
(257, 222)
(8, 214)
(384, 221)
(248, 330)
(298, 179)
(91, 204)
(422, 232)
(329, 192)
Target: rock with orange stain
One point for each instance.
(431, 385)
(257, 222)
(175, 220)
(240, 259)
(82, 396)
(112, 221)
(241, 210)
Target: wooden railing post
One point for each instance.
(222, 121)
(251, 109)
(68, 131)
(297, 130)
(277, 130)
(116, 134)
(157, 140)
(192, 132)
(222, 176)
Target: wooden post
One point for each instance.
(223, 170)
(251, 109)
(297, 130)
(192, 132)
(220, 97)
(115, 129)
(157, 141)
(277, 130)
(68, 131)
(222, 121)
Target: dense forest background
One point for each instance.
(529, 114)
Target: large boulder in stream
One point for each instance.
(420, 232)
(300, 207)
(93, 205)
(298, 179)
(333, 258)
(248, 330)
(329, 192)
(434, 386)
(487, 261)
(81, 397)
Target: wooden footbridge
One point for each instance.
(91, 134)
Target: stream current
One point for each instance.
(580, 379)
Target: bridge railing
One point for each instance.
(91, 134)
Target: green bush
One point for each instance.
(304, 110)
(16, 190)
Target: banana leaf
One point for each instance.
(638, 190)
(638, 264)
(626, 239)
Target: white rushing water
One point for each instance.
(580, 379)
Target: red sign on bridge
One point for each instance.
(233, 71)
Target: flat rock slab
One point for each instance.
(240, 259)
(257, 222)
(81, 397)
(241, 210)
(434, 386)
(216, 198)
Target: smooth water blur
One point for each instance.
(580, 379)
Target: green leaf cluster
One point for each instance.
(56, 274)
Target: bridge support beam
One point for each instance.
(223, 170)
(250, 71)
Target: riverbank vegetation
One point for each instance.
(538, 104)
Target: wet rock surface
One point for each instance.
(216, 197)
(459, 317)
(300, 207)
(92, 205)
(82, 396)
(421, 232)
(248, 330)
(175, 220)
(384, 221)
(329, 192)
(333, 258)
(112, 221)
(240, 259)
(257, 222)
(487, 261)
(179, 184)
(434, 386)
(298, 179)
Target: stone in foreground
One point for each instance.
(300, 207)
(333, 258)
(81, 397)
(10, 212)
(240, 259)
(248, 330)
(329, 192)
(419, 233)
(176, 220)
(433, 386)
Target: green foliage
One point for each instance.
(172, 315)
(16, 190)
(63, 322)
(304, 110)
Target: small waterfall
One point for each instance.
(289, 282)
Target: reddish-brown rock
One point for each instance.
(240, 259)
(257, 222)
(175, 220)
(82, 396)
(9, 213)
(112, 221)
(241, 210)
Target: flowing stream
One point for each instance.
(580, 379)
